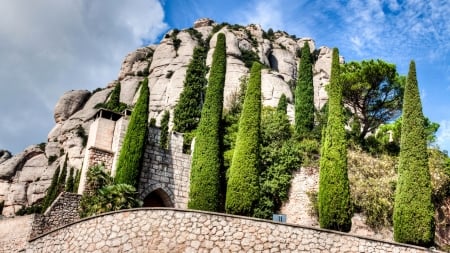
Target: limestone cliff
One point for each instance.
(25, 177)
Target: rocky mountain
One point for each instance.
(25, 177)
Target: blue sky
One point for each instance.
(80, 45)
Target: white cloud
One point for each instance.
(51, 46)
(443, 135)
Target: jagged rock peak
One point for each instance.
(202, 22)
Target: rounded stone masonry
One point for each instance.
(179, 230)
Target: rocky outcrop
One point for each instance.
(25, 177)
(69, 103)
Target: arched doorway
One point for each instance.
(157, 198)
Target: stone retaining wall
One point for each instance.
(63, 211)
(14, 233)
(176, 230)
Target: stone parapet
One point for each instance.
(177, 230)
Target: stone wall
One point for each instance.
(14, 233)
(175, 230)
(100, 156)
(168, 170)
(63, 211)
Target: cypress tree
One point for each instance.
(413, 209)
(243, 183)
(204, 192)
(133, 144)
(282, 104)
(48, 199)
(188, 110)
(76, 182)
(164, 139)
(335, 210)
(62, 178)
(70, 181)
(304, 95)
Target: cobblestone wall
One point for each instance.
(100, 156)
(175, 230)
(63, 211)
(168, 170)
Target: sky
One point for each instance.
(48, 47)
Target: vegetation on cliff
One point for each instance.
(128, 166)
(413, 209)
(204, 192)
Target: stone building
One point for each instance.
(164, 180)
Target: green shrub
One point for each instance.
(70, 181)
(164, 138)
(413, 210)
(52, 159)
(52, 191)
(282, 104)
(113, 103)
(29, 210)
(335, 209)
(134, 142)
(76, 182)
(248, 57)
(204, 192)
(243, 183)
(304, 95)
(62, 177)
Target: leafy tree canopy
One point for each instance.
(373, 91)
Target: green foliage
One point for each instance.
(133, 144)
(243, 182)
(70, 181)
(282, 104)
(42, 146)
(188, 110)
(413, 210)
(104, 196)
(51, 159)
(372, 183)
(205, 177)
(304, 95)
(335, 209)
(35, 208)
(52, 191)
(248, 57)
(373, 91)
(164, 139)
(76, 181)
(176, 42)
(113, 103)
(63, 176)
(279, 157)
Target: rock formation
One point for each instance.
(25, 177)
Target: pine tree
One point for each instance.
(188, 110)
(413, 209)
(243, 183)
(335, 210)
(204, 192)
(304, 95)
(134, 142)
(164, 139)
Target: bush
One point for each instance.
(113, 103)
(248, 57)
(204, 192)
(52, 191)
(243, 183)
(52, 159)
(134, 142)
(335, 209)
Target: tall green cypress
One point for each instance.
(48, 199)
(134, 142)
(204, 192)
(304, 95)
(282, 104)
(188, 110)
(164, 139)
(335, 210)
(62, 178)
(243, 183)
(70, 181)
(413, 209)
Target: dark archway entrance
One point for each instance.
(157, 198)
